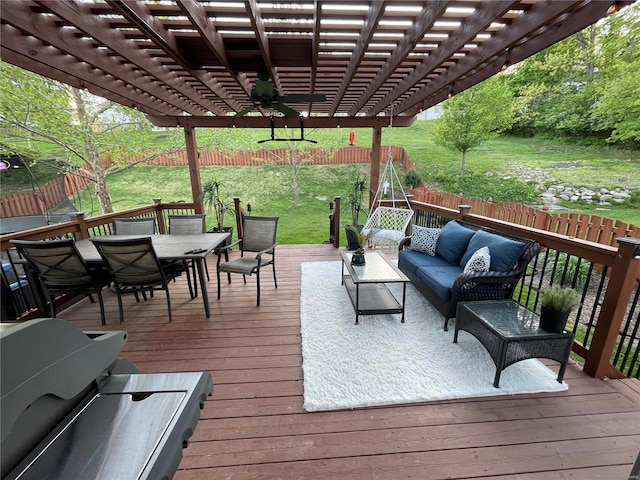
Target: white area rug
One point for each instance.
(382, 361)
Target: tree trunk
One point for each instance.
(98, 172)
(464, 154)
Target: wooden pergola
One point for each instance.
(193, 63)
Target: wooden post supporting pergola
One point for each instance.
(194, 167)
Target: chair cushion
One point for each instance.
(439, 279)
(412, 260)
(480, 261)
(504, 251)
(390, 235)
(424, 239)
(453, 241)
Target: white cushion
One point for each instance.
(479, 261)
(424, 239)
(391, 235)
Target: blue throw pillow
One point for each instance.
(453, 241)
(504, 251)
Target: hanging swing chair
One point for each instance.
(387, 225)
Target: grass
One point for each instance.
(268, 188)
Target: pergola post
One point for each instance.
(376, 154)
(194, 170)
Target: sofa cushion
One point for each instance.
(453, 241)
(424, 239)
(439, 279)
(480, 261)
(412, 260)
(504, 251)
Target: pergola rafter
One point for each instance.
(196, 58)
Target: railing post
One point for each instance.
(83, 231)
(614, 306)
(162, 226)
(464, 210)
(239, 212)
(336, 222)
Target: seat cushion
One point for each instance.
(504, 251)
(424, 239)
(389, 235)
(412, 260)
(439, 279)
(453, 241)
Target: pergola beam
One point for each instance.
(278, 122)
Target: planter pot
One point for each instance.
(224, 230)
(358, 259)
(352, 238)
(553, 321)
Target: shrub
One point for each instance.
(412, 178)
(567, 268)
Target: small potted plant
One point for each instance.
(212, 198)
(356, 196)
(362, 239)
(556, 303)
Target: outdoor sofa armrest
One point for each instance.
(404, 243)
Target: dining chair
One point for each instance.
(259, 238)
(62, 270)
(134, 226)
(134, 266)
(189, 225)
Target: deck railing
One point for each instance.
(608, 277)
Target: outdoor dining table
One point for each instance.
(170, 247)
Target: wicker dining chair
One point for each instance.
(134, 266)
(259, 238)
(62, 270)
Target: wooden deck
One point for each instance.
(254, 426)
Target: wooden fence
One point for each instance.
(582, 226)
(44, 198)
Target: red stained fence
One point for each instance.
(49, 195)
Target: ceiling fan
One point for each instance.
(265, 95)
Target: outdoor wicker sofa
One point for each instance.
(437, 269)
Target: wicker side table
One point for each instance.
(510, 333)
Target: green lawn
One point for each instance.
(269, 190)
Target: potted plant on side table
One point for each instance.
(556, 303)
(356, 196)
(212, 198)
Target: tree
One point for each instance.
(474, 116)
(587, 84)
(45, 119)
(617, 105)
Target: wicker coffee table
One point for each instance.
(366, 285)
(510, 334)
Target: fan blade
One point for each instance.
(281, 107)
(302, 98)
(244, 111)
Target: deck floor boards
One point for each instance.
(254, 426)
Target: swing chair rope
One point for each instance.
(388, 224)
(389, 173)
